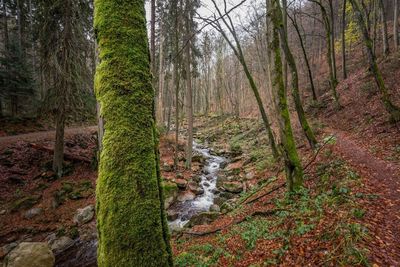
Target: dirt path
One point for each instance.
(383, 179)
(42, 136)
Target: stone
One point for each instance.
(61, 244)
(195, 188)
(196, 179)
(185, 196)
(203, 218)
(179, 176)
(84, 215)
(198, 158)
(181, 183)
(206, 184)
(166, 167)
(7, 248)
(170, 193)
(215, 207)
(172, 215)
(233, 187)
(227, 206)
(30, 254)
(250, 175)
(2, 212)
(219, 200)
(33, 213)
(223, 164)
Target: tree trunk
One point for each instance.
(396, 25)
(189, 96)
(303, 49)
(385, 38)
(5, 25)
(333, 50)
(160, 106)
(392, 109)
(293, 168)
(131, 222)
(344, 68)
(58, 157)
(295, 80)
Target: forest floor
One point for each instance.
(348, 213)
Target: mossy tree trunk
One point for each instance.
(131, 222)
(391, 108)
(277, 19)
(293, 168)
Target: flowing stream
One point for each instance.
(208, 183)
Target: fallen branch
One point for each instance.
(267, 193)
(237, 221)
(67, 155)
(318, 151)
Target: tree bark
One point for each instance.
(294, 171)
(392, 109)
(131, 222)
(344, 67)
(396, 25)
(385, 38)
(189, 96)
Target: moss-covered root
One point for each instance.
(130, 219)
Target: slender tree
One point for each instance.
(131, 222)
(396, 25)
(385, 38)
(344, 67)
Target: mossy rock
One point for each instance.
(170, 189)
(233, 187)
(203, 218)
(25, 203)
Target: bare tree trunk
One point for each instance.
(303, 49)
(189, 96)
(344, 40)
(396, 25)
(333, 50)
(58, 157)
(5, 25)
(386, 49)
(160, 107)
(392, 109)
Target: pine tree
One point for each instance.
(131, 222)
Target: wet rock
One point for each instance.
(30, 254)
(188, 195)
(206, 184)
(181, 183)
(198, 158)
(195, 188)
(33, 213)
(233, 187)
(87, 232)
(2, 212)
(84, 215)
(223, 164)
(219, 200)
(61, 244)
(172, 215)
(215, 207)
(196, 179)
(203, 218)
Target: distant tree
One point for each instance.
(64, 28)
(131, 222)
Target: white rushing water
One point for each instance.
(208, 183)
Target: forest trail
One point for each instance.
(43, 135)
(382, 179)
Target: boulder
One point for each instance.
(250, 175)
(219, 200)
(185, 196)
(233, 187)
(2, 212)
(181, 183)
(7, 248)
(223, 164)
(33, 213)
(170, 193)
(203, 218)
(172, 215)
(215, 207)
(61, 244)
(195, 188)
(30, 254)
(84, 215)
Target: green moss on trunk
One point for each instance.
(130, 217)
